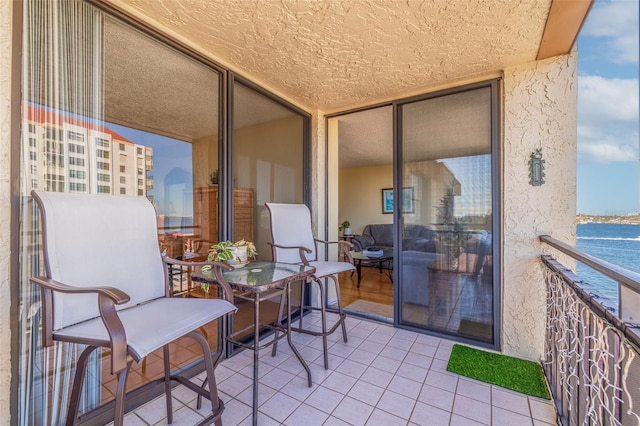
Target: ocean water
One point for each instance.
(616, 243)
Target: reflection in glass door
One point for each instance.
(267, 156)
(445, 233)
(107, 110)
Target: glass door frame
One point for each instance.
(226, 211)
(496, 205)
(495, 86)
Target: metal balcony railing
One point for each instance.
(592, 355)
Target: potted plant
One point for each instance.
(345, 227)
(214, 176)
(235, 254)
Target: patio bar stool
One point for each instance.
(293, 242)
(107, 285)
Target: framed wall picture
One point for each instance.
(387, 200)
(407, 200)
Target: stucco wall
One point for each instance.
(5, 209)
(540, 111)
(318, 175)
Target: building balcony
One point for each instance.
(385, 375)
(381, 376)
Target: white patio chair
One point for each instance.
(293, 242)
(107, 286)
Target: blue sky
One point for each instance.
(171, 157)
(608, 112)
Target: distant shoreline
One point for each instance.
(622, 220)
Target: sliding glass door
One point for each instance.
(446, 192)
(112, 110)
(106, 110)
(267, 157)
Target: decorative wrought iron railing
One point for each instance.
(592, 352)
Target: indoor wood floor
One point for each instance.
(374, 287)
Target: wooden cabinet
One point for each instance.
(205, 213)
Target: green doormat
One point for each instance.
(512, 373)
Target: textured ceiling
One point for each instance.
(149, 85)
(341, 53)
(443, 127)
(365, 137)
(152, 87)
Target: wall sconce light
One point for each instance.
(536, 168)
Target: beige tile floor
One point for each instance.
(382, 376)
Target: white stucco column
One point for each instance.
(540, 111)
(318, 172)
(5, 208)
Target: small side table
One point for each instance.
(258, 281)
(359, 258)
(348, 238)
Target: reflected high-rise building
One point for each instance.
(69, 154)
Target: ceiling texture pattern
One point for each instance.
(338, 54)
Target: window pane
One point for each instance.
(120, 117)
(268, 143)
(267, 163)
(447, 267)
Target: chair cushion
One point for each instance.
(151, 325)
(100, 240)
(324, 269)
(291, 226)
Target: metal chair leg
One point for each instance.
(218, 359)
(78, 380)
(325, 332)
(323, 313)
(341, 312)
(167, 382)
(217, 407)
(274, 349)
(303, 285)
(120, 394)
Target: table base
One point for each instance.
(280, 332)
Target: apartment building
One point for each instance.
(69, 154)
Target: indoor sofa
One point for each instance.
(415, 238)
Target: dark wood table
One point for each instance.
(360, 260)
(256, 282)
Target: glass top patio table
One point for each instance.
(258, 281)
(259, 276)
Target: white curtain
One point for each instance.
(62, 73)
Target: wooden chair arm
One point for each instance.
(302, 250)
(218, 267)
